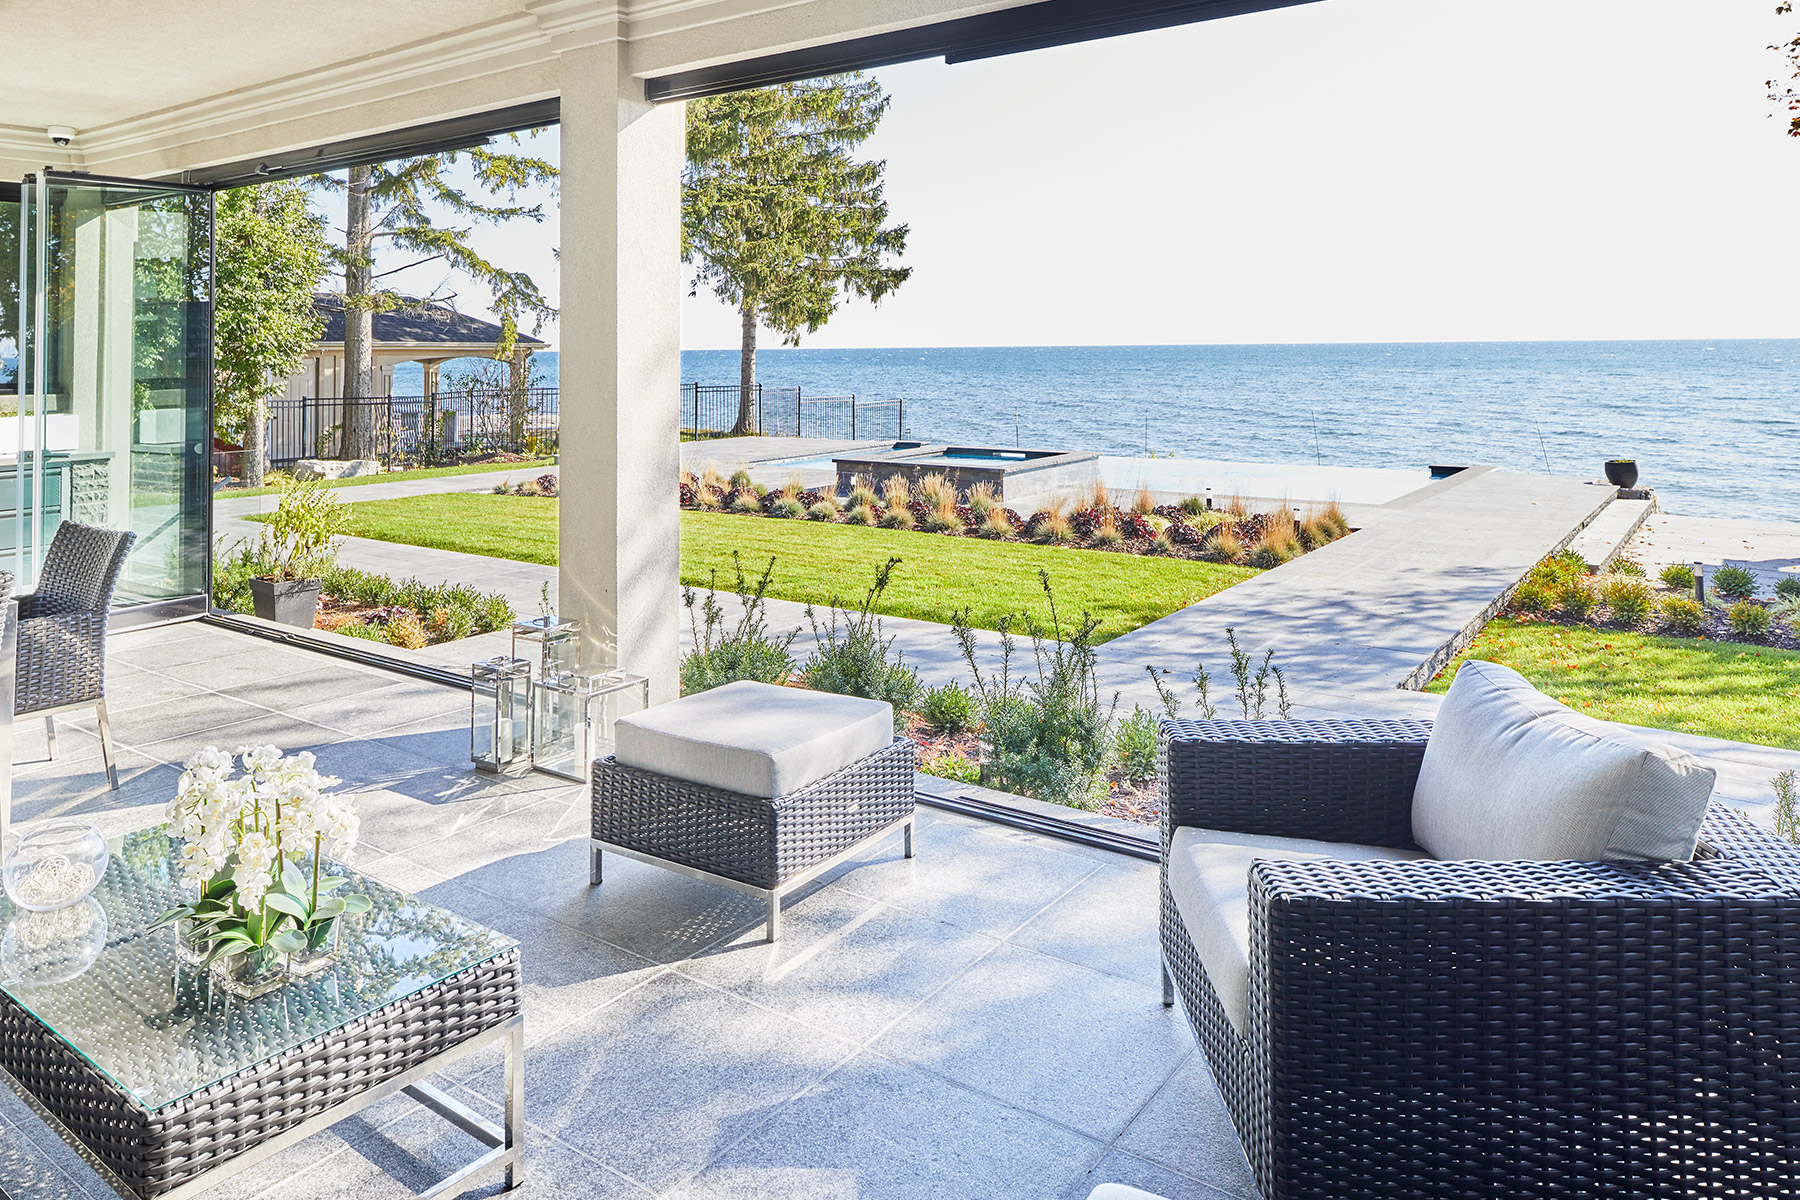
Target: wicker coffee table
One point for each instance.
(166, 1084)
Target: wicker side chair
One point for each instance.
(61, 663)
(1431, 1029)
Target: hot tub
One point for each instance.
(1025, 480)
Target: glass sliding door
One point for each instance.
(113, 419)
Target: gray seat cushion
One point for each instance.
(1511, 774)
(754, 738)
(1209, 880)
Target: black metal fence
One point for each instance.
(727, 410)
(443, 427)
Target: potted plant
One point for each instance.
(300, 543)
(1622, 472)
(264, 908)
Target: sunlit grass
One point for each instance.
(1719, 689)
(815, 562)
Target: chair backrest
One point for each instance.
(81, 568)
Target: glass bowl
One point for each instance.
(53, 947)
(54, 864)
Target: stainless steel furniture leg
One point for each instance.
(593, 864)
(1168, 988)
(515, 1101)
(774, 916)
(911, 821)
(50, 734)
(106, 745)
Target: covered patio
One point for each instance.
(914, 1033)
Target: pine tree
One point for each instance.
(392, 204)
(779, 219)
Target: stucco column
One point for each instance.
(619, 362)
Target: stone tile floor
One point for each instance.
(981, 1021)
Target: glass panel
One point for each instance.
(161, 1028)
(115, 364)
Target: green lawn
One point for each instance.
(816, 561)
(521, 469)
(1720, 689)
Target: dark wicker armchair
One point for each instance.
(61, 660)
(1485, 1029)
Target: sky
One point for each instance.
(1350, 170)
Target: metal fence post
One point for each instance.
(900, 431)
(798, 410)
(853, 416)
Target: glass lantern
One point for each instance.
(500, 715)
(574, 719)
(552, 643)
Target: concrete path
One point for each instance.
(1769, 548)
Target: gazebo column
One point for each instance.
(619, 337)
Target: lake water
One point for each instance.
(1714, 425)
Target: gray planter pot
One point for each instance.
(294, 602)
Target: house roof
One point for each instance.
(421, 321)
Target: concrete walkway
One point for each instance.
(1769, 548)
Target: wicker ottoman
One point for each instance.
(755, 787)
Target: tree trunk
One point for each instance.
(518, 397)
(254, 452)
(746, 419)
(359, 333)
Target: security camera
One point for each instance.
(61, 135)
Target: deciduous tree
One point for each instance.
(779, 217)
(271, 254)
(1785, 92)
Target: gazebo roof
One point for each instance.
(419, 322)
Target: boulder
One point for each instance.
(335, 468)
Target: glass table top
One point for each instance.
(161, 1028)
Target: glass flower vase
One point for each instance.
(319, 953)
(253, 973)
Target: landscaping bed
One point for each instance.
(1648, 652)
(1090, 519)
(277, 480)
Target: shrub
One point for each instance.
(951, 766)
(943, 518)
(860, 495)
(948, 709)
(1627, 566)
(996, 525)
(708, 500)
(407, 632)
(1333, 515)
(786, 508)
(937, 491)
(1315, 531)
(1629, 598)
(1576, 599)
(1053, 530)
(748, 650)
(898, 517)
(1535, 596)
(1141, 502)
(824, 510)
(232, 572)
(740, 478)
(1788, 589)
(1734, 583)
(1787, 806)
(301, 540)
(1134, 745)
(1193, 506)
(366, 633)
(863, 514)
(1106, 533)
(447, 624)
(1160, 544)
(746, 502)
(982, 500)
(896, 491)
(855, 660)
(1683, 614)
(1747, 619)
(1678, 575)
(1049, 737)
(1224, 544)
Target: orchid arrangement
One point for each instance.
(247, 821)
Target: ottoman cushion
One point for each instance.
(754, 738)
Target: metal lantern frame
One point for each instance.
(500, 715)
(573, 715)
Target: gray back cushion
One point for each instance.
(1511, 774)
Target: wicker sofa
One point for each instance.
(1475, 1029)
